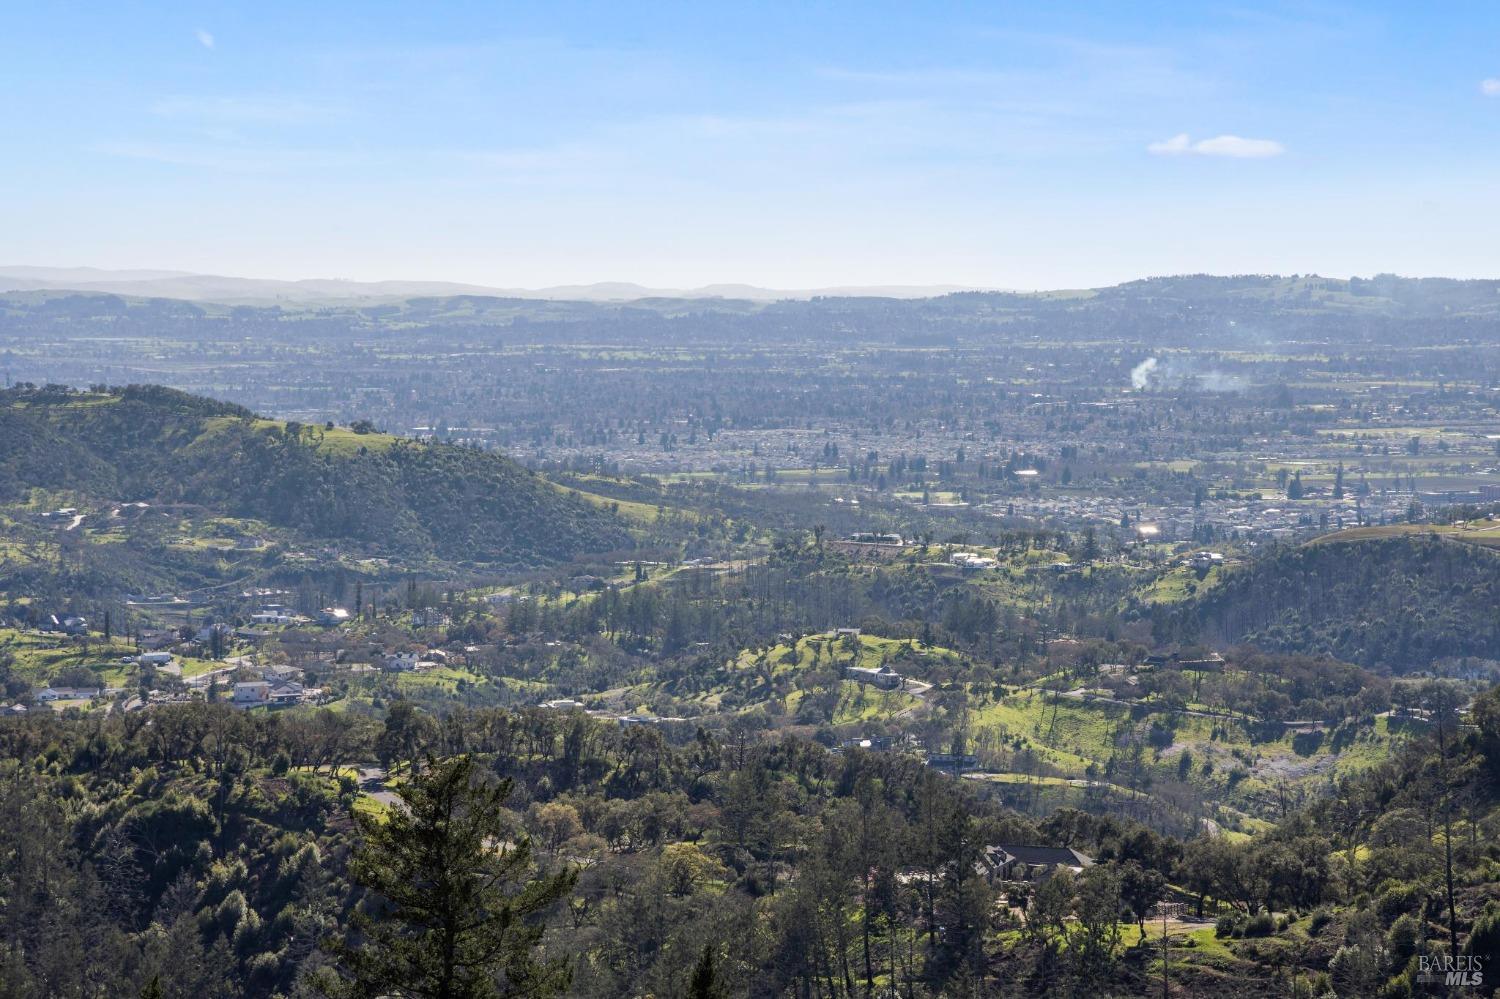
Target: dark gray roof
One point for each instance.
(1048, 856)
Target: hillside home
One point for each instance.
(68, 625)
(251, 694)
(49, 694)
(206, 634)
(874, 743)
(1201, 660)
(884, 678)
(875, 546)
(956, 762)
(287, 693)
(281, 673)
(403, 662)
(1035, 864)
(157, 639)
(894, 540)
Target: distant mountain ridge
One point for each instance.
(217, 288)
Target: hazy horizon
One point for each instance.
(208, 287)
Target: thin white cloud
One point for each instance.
(1490, 87)
(245, 108)
(1176, 145)
(1232, 146)
(228, 159)
(204, 38)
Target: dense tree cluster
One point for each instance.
(1392, 603)
(197, 851)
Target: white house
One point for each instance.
(884, 678)
(251, 694)
(50, 694)
(207, 632)
(403, 662)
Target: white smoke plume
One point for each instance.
(1183, 373)
(1140, 375)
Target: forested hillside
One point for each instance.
(1398, 602)
(145, 443)
(203, 852)
(34, 455)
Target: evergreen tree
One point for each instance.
(453, 912)
(704, 983)
(1089, 551)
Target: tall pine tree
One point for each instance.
(453, 910)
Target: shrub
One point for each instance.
(1321, 917)
(1403, 938)
(1260, 925)
(1398, 899)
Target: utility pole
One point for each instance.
(1165, 984)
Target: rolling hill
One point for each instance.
(1389, 601)
(380, 494)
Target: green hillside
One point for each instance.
(382, 494)
(1397, 602)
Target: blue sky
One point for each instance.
(794, 145)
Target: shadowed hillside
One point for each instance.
(1397, 602)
